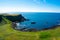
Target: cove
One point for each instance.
(39, 21)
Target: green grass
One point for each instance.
(8, 33)
(52, 34)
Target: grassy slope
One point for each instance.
(53, 34)
(7, 33)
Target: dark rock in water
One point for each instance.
(33, 22)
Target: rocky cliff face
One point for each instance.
(18, 18)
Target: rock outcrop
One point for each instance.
(18, 18)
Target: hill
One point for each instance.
(12, 18)
(8, 33)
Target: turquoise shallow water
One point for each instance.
(42, 20)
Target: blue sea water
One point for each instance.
(42, 20)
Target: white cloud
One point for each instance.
(5, 10)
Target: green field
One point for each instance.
(8, 33)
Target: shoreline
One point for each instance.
(14, 26)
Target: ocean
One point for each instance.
(39, 21)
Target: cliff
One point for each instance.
(11, 18)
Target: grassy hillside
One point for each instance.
(8, 33)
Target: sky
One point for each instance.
(29, 6)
